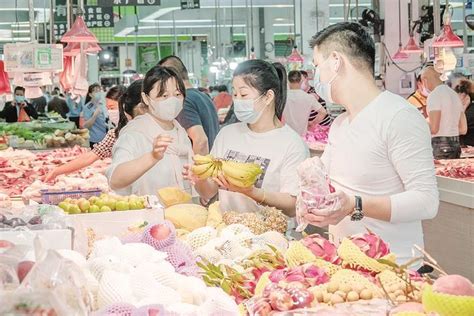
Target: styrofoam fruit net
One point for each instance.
(114, 287)
(182, 309)
(144, 287)
(218, 303)
(233, 249)
(106, 246)
(389, 279)
(136, 253)
(200, 237)
(275, 239)
(117, 309)
(162, 273)
(147, 310)
(97, 266)
(354, 257)
(352, 278)
(180, 256)
(297, 254)
(147, 238)
(233, 230)
(192, 289)
(211, 254)
(446, 304)
(330, 268)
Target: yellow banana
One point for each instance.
(239, 182)
(216, 171)
(201, 169)
(202, 160)
(240, 170)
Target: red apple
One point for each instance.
(23, 269)
(281, 300)
(160, 232)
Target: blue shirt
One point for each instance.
(75, 108)
(98, 130)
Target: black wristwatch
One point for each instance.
(358, 214)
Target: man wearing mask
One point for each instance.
(445, 114)
(379, 155)
(418, 98)
(18, 110)
(306, 87)
(199, 116)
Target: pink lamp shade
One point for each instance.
(400, 55)
(4, 82)
(447, 38)
(74, 48)
(411, 47)
(79, 33)
(295, 56)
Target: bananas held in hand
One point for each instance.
(240, 174)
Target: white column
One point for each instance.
(92, 69)
(269, 31)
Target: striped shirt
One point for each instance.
(327, 120)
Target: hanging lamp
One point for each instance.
(399, 55)
(446, 37)
(79, 33)
(411, 47)
(295, 60)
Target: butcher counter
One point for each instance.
(449, 237)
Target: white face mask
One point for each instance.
(98, 96)
(245, 110)
(166, 110)
(323, 89)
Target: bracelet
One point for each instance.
(264, 197)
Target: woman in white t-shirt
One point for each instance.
(153, 148)
(259, 99)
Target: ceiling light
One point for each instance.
(213, 69)
(411, 47)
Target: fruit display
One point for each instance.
(456, 168)
(103, 203)
(171, 196)
(37, 135)
(19, 169)
(266, 219)
(242, 175)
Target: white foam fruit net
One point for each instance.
(117, 309)
(233, 230)
(200, 237)
(218, 303)
(273, 238)
(104, 247)
(114, 287)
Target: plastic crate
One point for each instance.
(56, 197)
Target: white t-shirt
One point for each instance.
(385, 151)
(446, 100)
(136, 140)
(298, 107)
(278, 151)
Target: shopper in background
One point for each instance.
(305, 86)
(379, 155)
(199, 116)
(445, 114)
(299, 106)
(418, 98)
(223, 99)
(75, 105)
(130, 106)
(259, 100)
(465, 90)
(57, 104)
(95, 114)
(18, 110)
(111, 100)
(153, 148)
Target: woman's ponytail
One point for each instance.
(280, 98)
(127, 103)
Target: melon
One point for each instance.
(187, 216)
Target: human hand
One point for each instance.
(222, 182)
(188, 175)
(97, 111)
(160, 144)
(341, 205)
(50, 176)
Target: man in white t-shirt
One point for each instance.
(299, 105)
(379, 155)
(446, 116)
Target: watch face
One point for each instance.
(357, 216)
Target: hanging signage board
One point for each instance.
(111, 3)
(94, 16)
(190, 4)
(147, 58)
(27, 57)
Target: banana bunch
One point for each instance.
(240, 174)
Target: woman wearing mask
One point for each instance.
(75, 106)
(259, 99)
(129, 107)
(153, 148)
(95, 114)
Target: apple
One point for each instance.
(93, 199)
(105, 208)
(111, 203)
(23, 269)
(5, 244)
(94, 209)
(281, 300)
(122, 205)
(104, 196)
(160, 232)
(135, 204)
(84, 205)
(68, 200)
(74, 209)
(74, 201)
(301, 297)
(100, 203)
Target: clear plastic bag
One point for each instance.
(314, 188)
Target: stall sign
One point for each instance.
(190, 4)
(27, 57)
(111, 3)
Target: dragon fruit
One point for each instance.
(371, 244)
(322, 248)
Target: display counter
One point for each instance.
(449, 237)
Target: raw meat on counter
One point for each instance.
(456, 168)
(20, 169)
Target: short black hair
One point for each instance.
(161, 75)
(177, 64)
(222, 88)
(304, 73)
(348, 38)
(116, 92)
(18, 88)
(294, 76)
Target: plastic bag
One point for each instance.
(314, 187)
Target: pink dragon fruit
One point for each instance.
(371, 244)
(322, 248)
(315, 275)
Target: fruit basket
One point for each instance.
(56, 197)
